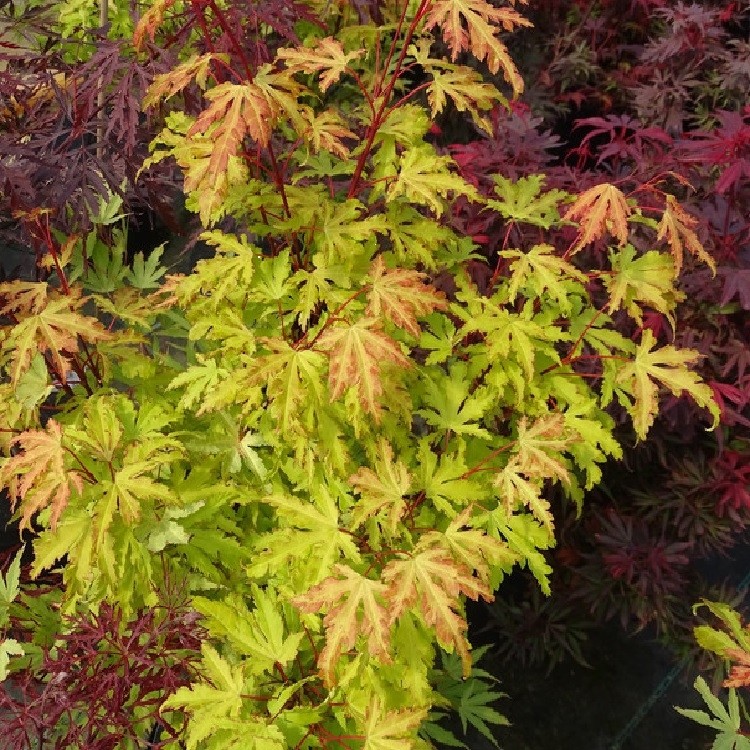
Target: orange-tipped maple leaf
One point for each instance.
(677, 227)
(600, 209)
(357, 352)
(400, 295)
(327, 56)
(483, 23)
(355, 606)
(45, 323)
(37, 476)
(433, 582)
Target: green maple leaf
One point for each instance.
(666, 366)
(518, 490)
(210, 703)
(523, 201)
(197, 381)
(146, 273)
(340, 228)
(645, 280)
(258, 634)
(451, 406)
(442, 480)
(309, 542)
(424, 178)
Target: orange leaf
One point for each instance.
(343, 596)
(400, 296)
(357, 353)
(600, 209)
(677, 226)
(328, 55)
(480, 37)
(150, 22)
(37, 476)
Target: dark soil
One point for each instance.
(575, 708)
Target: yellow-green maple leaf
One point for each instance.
(383, 490)
(424, 178)
(678, 226)
(325, 131)
(355, 606)
(600, 209)
(542, 271)
(644, 280)
(356, 355)
(483, 22)
(327, 56)
(391, 730)
(668, 367)
(517, 489)
(538, 447)
(37, 476)
(400, 295)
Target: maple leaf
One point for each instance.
(52, 325)
(150, 22)
(325, 131)
(327, 55)
(542, 271)
(391, 730)
(516, 490)
(166, 85)
(400, 295)
(382, 490)
(600, 209)
(236, 110)
(433, 581)
(677, 227)
(474, 547)
(666, 366)
(481, 34)
(647, 279)
(343, 595)
(38, 476)
(338, 225)
(522, 200)
(464, 86)
(424, 178)
(547, 433)
(357, 352)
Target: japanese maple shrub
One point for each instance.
(342, 424)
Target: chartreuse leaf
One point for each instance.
(258, 634)
(9, 587)
(646, 280)
(726, 719)
(667, 367)
(391, 730)
(382, 489)
(424, 179)
(522, 200)
(8, 647)
(308, 542)
(718, 641)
